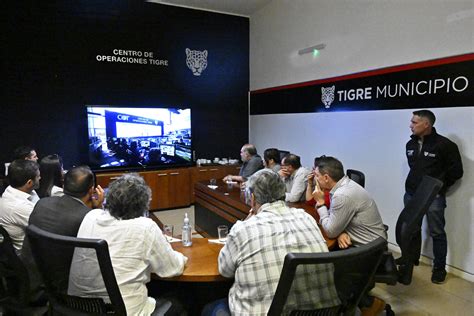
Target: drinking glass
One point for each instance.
(222, 231)
(168, 230)
(212, 181)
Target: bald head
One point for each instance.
(78, 181)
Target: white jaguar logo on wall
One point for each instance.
(196, 61)
(327, 96)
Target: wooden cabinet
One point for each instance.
(172, 188)
(104, 179)
(158, 182)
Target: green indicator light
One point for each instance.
(315, 52)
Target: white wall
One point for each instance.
(364, 35)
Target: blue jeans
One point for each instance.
(216, 308)
(436, 223)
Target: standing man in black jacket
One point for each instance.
(429, 153)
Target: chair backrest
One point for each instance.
(14, 281)
(408, 229)
(354, 269)
(357, 176)
(41, 244)
(283, 153)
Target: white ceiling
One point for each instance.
(236, 7)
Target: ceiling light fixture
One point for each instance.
(313, 49)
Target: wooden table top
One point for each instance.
(202, 262)
(232, 195)
(202, 265)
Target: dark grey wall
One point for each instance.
(51, 72)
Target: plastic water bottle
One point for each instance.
(186, 234)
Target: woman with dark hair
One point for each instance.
(52, 176)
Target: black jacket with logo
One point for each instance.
(439, 158)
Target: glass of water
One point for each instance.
(222, 231)
(168, 231)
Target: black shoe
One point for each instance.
(438, 276)
(401, 260)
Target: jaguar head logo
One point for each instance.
(327, 96)
(196, 61)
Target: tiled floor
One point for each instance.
(453, 298)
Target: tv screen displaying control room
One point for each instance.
(138, 137)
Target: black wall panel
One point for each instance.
(51, 72)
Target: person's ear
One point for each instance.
(252, 200)
(326, 178)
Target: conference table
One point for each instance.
(226, 203)
(214, 206)
(200, 282)
(220, 205)
(202, 262)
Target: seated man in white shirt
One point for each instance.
(137, 248)
(26, 153)
(22, 153)
(295, 178)
(19, 199)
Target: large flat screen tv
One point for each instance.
(138, 137)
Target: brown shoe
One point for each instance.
(378, 305)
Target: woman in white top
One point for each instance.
(52, 176)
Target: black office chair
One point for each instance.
(42, 244)
(283, 153)
(408, 236)
(357, 176)
(15, 295)
(354, 269)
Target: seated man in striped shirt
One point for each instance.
(353, 216)
(256, 248)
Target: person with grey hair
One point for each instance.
(256, 247)
(127, 231)
(252, 162)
